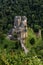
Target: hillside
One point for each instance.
(11, 51)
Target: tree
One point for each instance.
(1, 37)
(42, 33)
(36, 28)
(32, 41)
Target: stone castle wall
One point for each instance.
(20, 23)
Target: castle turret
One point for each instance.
(24, 20)
(17, 21)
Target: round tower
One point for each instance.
(17, 21)
(24, 20)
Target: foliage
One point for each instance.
(2, 36)
(14, 55)
(32, 41)
(11, 52)
(30, 8)
(42, 33)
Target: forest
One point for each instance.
(11, 52)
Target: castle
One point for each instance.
(20, 26)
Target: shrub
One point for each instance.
(2, 36)
(32, 41)
(36, 28)
(42, 33)
(5, 46)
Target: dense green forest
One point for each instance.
(11, 52)
(33, 9)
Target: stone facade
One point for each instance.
(20, 26)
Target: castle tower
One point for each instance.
(20, 25)
(24, 32)
(17, 21)
(24, 20)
